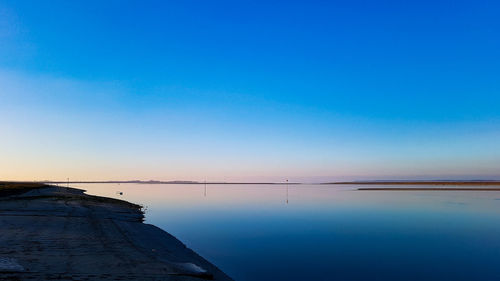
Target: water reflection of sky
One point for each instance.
(328, 232)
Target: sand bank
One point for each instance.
(427, 189)
(474, 183)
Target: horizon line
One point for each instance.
(376, 182)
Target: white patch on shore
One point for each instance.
(10, 265)
(191, 268)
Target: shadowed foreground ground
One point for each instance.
(61, 233)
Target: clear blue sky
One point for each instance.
(249, 90)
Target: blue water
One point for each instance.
(323, 232)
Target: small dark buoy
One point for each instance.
(119, 193)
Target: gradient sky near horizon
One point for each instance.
(249, 90)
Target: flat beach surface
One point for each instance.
(426, 185)
(61, 233)
(429, 188)
(474, 183)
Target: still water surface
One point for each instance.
(327, 232)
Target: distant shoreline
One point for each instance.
(428, 189)
(478, 182)
(163, 182)
(382, 182)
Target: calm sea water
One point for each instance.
(327, 232)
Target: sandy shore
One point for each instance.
(475, 183)
(61, 233)
(428, 189)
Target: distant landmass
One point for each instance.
(163, 182)
(423, 182)
(374, 182)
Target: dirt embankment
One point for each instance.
(50, 232)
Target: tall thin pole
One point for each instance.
(205, 188)
(287, 191)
